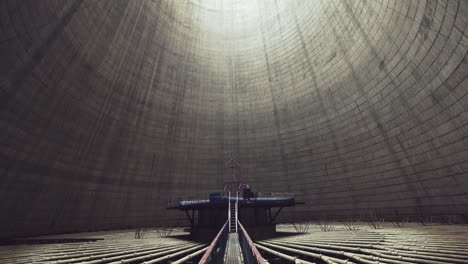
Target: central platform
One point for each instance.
(219, 201)
(257, 212)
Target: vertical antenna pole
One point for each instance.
(233, 165)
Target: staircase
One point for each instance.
(233, 213)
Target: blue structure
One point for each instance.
(217, 200)
(256, 212)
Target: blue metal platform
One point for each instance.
(223, 201)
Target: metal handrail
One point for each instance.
(229, 211)
(207, 257)
(237, 209)
(174, 201)
(244, 237)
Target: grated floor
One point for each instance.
(233, 251)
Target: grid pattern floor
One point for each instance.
(233, 251)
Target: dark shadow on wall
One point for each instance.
(20, 76)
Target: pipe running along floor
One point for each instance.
(112, 247)
(412, 243)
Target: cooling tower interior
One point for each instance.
(109, 109)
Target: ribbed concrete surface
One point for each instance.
(108, 107)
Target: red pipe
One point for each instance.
(257, 255)
(204, 259)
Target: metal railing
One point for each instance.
(237, 210)
(249, 250)
(275, 194)
(233, 213)
(215, 252)
(229, 211)
(174, 201)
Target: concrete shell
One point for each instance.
(109, 108)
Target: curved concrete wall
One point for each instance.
(109, 107)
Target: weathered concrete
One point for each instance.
(108, 107)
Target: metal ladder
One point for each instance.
(233, 209)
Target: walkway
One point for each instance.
(233, 251)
